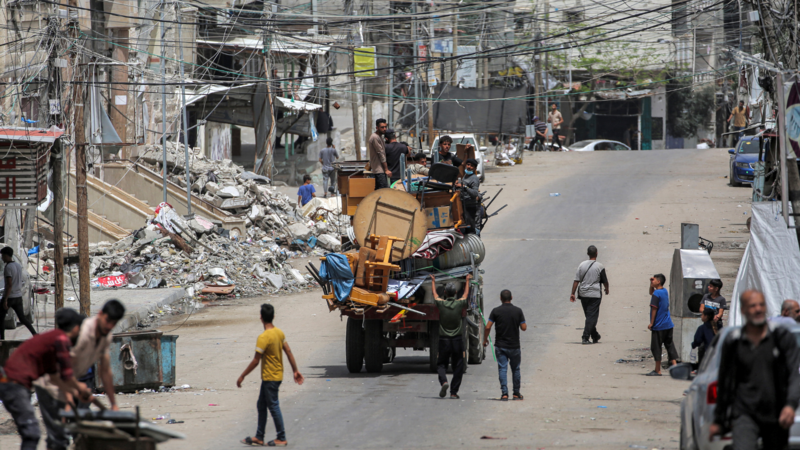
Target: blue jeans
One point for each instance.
(268, 400)
(504, 355)
(740, 134)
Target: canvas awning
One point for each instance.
(296, 105)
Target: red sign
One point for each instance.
(422, 52)
(113, 281)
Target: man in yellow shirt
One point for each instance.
(740, 119)
(268, 354)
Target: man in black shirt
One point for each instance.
(394, 151)
(509, 320)
(759, 383)
(445, 143)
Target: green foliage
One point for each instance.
(688, 108)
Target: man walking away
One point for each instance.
(470, 188)
(758, 384)
(509, 320)
(555, 119)
(268, 353)
(590, 275)
(712, 299)
(660, 324)
(740, 119)
(92, 347)
(306, 191)
(394, 151)
(42, 354)
(451, 335)
(376, 149)
(327, 156)
(12, 295)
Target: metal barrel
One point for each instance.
(458, 256)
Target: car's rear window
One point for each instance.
(750, 146)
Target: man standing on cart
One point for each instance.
(451, 335)
(470, 196)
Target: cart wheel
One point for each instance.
(475, 350)
(373, 346)
(354, 345)
(433, 344)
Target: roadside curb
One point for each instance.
(138, 314)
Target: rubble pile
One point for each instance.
(201, 256)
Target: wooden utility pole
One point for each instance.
(78, 98)
(57, 158)
(431, 79)
(82, 195)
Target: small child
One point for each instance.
(268, 353)
(705, 333)
(306, 191)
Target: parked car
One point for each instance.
(593, 145)
(697, 407)
(464, 139)
(743, 159)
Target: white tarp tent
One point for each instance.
(771, 262)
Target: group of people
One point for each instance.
(507, 319)
(555, 119)
(758, 384)
(58, 366)
(385, 154)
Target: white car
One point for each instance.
(463, 139)
(593, 145)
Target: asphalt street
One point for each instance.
(533, 247)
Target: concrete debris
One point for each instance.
(198, 255)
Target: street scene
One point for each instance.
(361, 224)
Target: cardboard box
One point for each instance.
(439, 217)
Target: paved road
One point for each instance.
(532, 248)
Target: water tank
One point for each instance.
(458, 256)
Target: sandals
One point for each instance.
(252, 441)
(517, 396)
(277, 443)
(504, 398)
(653, 374)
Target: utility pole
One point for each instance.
(82, 194)
(57, 160)
(431, 79)
(78, 99)
(263, 109)
(185, 116)
(164, 99)
(416, 71)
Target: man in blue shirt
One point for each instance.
(306, 191)
(660, 324)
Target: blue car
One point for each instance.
(743, 159)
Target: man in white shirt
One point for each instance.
(91, 348)
(590, 275)
(12, 295)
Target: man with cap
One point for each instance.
(394, 151)
(45, 353)
(470, 196)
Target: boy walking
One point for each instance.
(268, 353)
(660, 324)
(451, 335)
(509, 320)
(306, 191)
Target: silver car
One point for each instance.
(697, 407)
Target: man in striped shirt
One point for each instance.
(541, 133)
